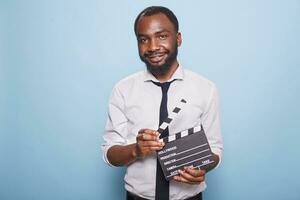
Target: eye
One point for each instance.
(163, 36)
(143, 40)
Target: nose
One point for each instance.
(153, 45)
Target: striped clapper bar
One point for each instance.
(186, 148)
(171, 116)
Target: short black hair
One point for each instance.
(152, 10)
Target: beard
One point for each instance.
(162, 69)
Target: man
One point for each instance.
(140, 102)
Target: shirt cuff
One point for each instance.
(104, 156)
(219, 153)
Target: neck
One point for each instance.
(166, 76)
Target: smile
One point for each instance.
(156, 58)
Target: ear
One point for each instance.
(178, 38)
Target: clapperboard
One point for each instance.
(187, 148)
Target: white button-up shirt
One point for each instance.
(135, 103)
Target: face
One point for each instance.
(157, 43)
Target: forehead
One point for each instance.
(154, 23)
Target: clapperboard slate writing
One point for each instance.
(186, 148)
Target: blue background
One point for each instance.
(60, 59)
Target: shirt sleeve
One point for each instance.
(115, 131)
(211, 123)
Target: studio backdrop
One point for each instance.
(60, 60)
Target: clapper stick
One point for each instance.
(171, 116)
(181, 134)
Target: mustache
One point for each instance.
(154, 53)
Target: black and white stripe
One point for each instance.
(171, 116)
(181, 134)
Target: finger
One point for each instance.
(180, 179)
(151, 144)
(153, 136)
(184, 180)
(147, 137)
(190, 177)
(194, 172)
(148, 150)
(149, 131)
(156, 148)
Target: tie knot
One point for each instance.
(164, 86)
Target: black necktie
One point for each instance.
(162, 185)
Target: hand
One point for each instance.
(190, 175)
(147, 142)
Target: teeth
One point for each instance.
(156, 58)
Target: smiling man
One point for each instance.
(158, 41)
(141, 102)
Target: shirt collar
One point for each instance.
(178, 75)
